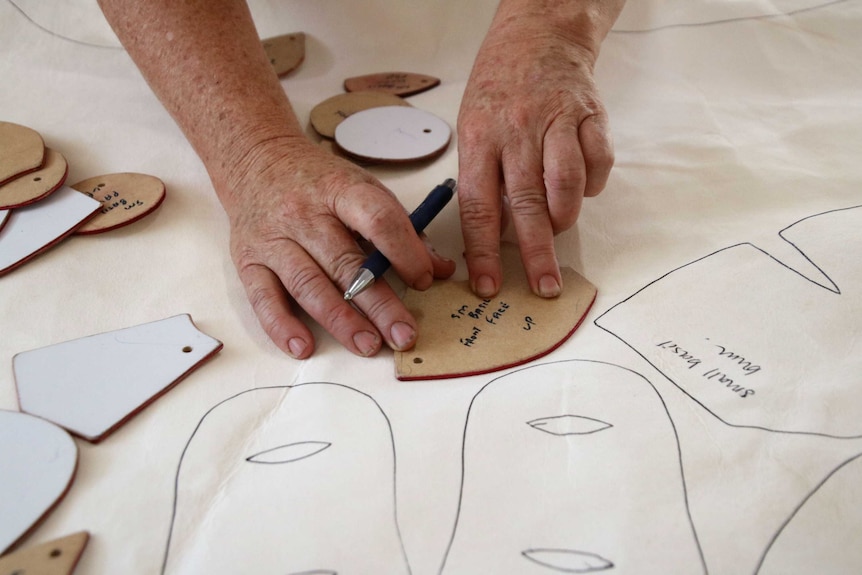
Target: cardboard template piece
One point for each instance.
(57, 557)
(4, 217)
(22, 150)
(125, 198)
(399, 83)
(39, 463)
(393, 134)
(462, 334)
(285, 52)
(327, 115)
(92, 385)
(35, 185)
(33, 229)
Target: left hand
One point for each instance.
(531, 127)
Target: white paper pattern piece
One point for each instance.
(32, 229)
(92, 385)
(745, 336)
(314, 462)
(39, 462)
(393, 133)
(772, 351)
(536, 476)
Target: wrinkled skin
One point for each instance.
(531, 127)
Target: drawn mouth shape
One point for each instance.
(568, 560)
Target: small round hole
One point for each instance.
(427, 130)
(56, 553)
(417, 360)
(187, 349)
(37, 179)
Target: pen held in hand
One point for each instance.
(377, 264)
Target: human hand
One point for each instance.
(294, 210)
(531, 128)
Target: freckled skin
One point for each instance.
(531, 126)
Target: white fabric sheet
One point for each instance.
(733, 120)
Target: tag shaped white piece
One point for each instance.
(393, 133)
(33, 229)
(39, 462)
(93, 385)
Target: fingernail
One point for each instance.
(366, 342)
(549, 286)
(403, 335)
(485, 286)
(297, 347)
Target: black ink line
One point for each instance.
(664, 406)
(321, 446)
(288, 387)
(732, 20)
(835, 289)
(817, 487)
(60, 36)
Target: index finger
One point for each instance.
(381, 219)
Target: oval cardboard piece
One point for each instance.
(39, 462)
(462, 334)
(327, 115)
(57, 557)
(285, 52)
(125, 197)
(398, 83)
(22, 150)
(393, 134)
(35, 185)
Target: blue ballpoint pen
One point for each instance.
(377, 264)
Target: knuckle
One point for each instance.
(562, 177)
(336, 316)
(528, 201)
(307, 284)
(477, 211)
(383, 220)
(343, 266)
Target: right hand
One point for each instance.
(295, 210)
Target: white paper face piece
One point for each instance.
(92, 385)
(393, 133)
(32, 229)
(39, 461)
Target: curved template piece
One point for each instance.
(328, 506)
(822, 537)
(35, 185)
(39, 463)
(22, 150)
(755, 342)
(462, 334)
(125, 198)
(33, 229)
(93, 385)
(581, 500)
(285, 52)
(58, 557)
(393, 134)
(399, 83)
(327, 115)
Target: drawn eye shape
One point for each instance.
(289, 453)
(569, 425)
(568, 560)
